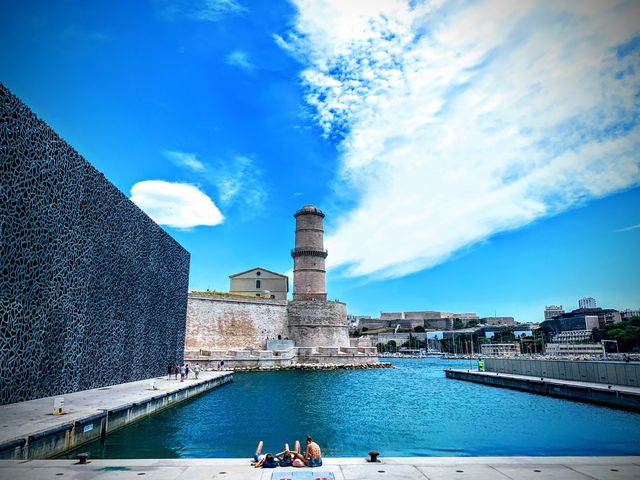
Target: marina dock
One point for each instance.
(618, 396)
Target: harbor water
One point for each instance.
(410, 410)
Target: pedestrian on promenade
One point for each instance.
(186, 371)
(182, 373)
(169, 371)
(176, 370)
(196, 370)
(221, 364)
(218, 366)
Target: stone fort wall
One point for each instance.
(227, 322)
(92, 291)
(314, 323)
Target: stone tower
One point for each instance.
(309, 255)
(313, 322)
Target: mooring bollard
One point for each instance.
(58, 405)
(373, 456)
(82, 458)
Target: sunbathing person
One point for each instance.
(312, 455)
(287, 457)
(264, 461)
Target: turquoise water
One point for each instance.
(410, 410)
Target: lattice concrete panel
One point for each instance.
(92, 291)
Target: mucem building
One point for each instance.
(92, 292)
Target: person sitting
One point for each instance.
(264, 461)
(312, 455)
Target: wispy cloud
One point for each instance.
(237, 179)
(628, 229)
(240, 59)
(201, 10)
(178, 205)
(189, 160)
(460, 120)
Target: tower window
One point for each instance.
(257, 283)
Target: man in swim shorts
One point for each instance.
(312, 455)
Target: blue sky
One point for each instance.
(477, 156)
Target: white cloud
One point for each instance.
(237, 180)
(629, 228)
(240, 59)
(459, 121)
(189, 160)
(178, 205)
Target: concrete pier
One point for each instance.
(618, 396)
(29, 430)
(399, 468)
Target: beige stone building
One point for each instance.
(260, 282)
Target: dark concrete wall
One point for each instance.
(93, 292)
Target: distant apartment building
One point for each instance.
(628, 313)
(561, 349)
(500, 349)
(260, 282)
(587, 302)
(552, 311)
(497, 321)
(581, 319)
(572, 336)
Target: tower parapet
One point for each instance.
(309, 255)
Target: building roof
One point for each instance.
(258, 268)
(309, 210)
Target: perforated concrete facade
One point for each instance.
(93, 292)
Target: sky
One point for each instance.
(469, 156)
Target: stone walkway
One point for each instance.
(409, 468)
(557, 381)
(20, 419)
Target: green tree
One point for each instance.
(626, 333)
(418, 329)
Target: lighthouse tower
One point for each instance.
(309, 256)
(313, 322)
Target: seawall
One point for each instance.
(614, 373)
(31, 431)
(618, 396)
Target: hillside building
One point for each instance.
(260, 282)
(553, 311)
(587, 302)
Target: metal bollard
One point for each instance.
(82, 458)
(373, 457)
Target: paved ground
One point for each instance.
(24, 418)
(422, 468)
(558, 381)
